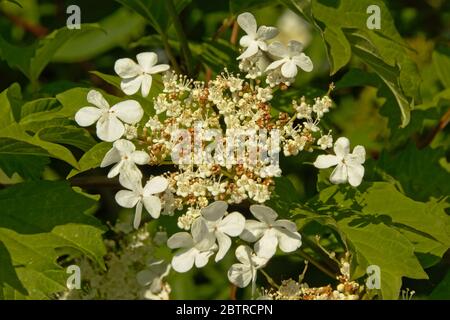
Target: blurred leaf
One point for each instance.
(33, 59)
(31, 232)
(441, 63)
(218, 54)
(240, 6)
(442, 291)
(114, 32)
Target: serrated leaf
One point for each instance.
(32, 230)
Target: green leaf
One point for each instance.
(113, 33)
(92, 158)
(68, 135)
(34, 233)
(154, 11)
(218, 54)
(441, 64)
(33, 59)
(442, 291)
(9, 104)
(240, 6)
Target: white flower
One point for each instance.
(139, 197)
(109, 125)
(348, 165)
(126, 157)
(195, 249)
(241, 274)
(291, 58)
(325, 141)
(255, 37)
(223, 226)
(270, 232)
(139, 74)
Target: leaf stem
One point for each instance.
(317, 264)
(269, 279)
(181, 36)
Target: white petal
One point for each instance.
(267, 245)
(200, 232)
(201, 258)
(355, 174)
(140, 157)
(224, 243)
(146, 85)
(180, 240)
(286, 224)
(263, 213)
(289, 69)
(244, 254)
(129, 111)
(152, 205)
(250, 51)
(232, 225)
(137, 215)
(130, 176)
(359, 154)
(288, 241)
(266, 33)
(253, 230)
(127, 68)
(147, 60)
(97, 99)
(248, 23)
(112, 156)
(303, 62)
(240, 275)
(124, 146)
(215, 210)
(87, 116)
(131, 85)
(294, 48)
(156, 185)
(109, 128)
(278, 50)
(342, 147)
(115, 170)
(326, 161)
(275, 64)
(245, 41)
(127, 199)
(339, 174)
(183, 260)
(159, 68)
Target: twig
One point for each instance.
(269, 279)
(317, 264)
(234, 33)
(35, 29)
(443, 122)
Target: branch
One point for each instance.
(35, 29)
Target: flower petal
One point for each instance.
(215, 210)
(326, 161)
(294, 48)
(342, 147)
(339, 174)
(288, 241)
(112, 156)
(97, 99)
(278, 50)
(275, 64)
(137, 215)
(146, 85)
(244, 254)
(130, 176)
(126, 198)
(263, 213)
(251, 50)
(303, 62)
(87, 116)
(127, 68)
(359, 154)
(201, 258)
(129, 111)
(131, 85)
(224, 243)
(152, 205)
(286, 224)
(266, 33)
(159, 68)
(267, 245)
(253, 230)
(240, 275)
(109, 128)
(156, 185)
(180, 240)
(232, 225)
(147, 60)
(115, 170)
(140, 157)
(355, 174)
(245, 41)
(200, 232)
(289, 69)
(248, 23)
(183, 260)
(124, 146)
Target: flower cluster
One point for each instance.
(222, 140)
